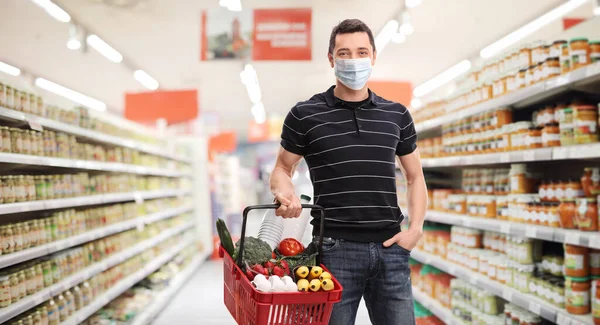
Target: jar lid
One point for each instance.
(579, 39)
(585, 199)
(565, 45)
(584, 107)
(577, 279)
(559, 42)
(594, 42)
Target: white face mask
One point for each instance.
(353, 73)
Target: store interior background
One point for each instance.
(163, 38)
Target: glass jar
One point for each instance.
(551, 135)
(521, 180)
(30, 188)
(565, 59)
(31, 281)
(556, 48)
(567, 128)
(20, 191)
(567, 211)
(16, 139)
(576, 261)
(22, 284)
(579, 49)
(15, 292)
(577, 294)
(529, 75)
(40, 187)
(585, 122)
(587, 214)
(5, 291)
(533, 139)
(25, 235)
(26, 142)
(39, 275)
(573, 190)
(6, 139)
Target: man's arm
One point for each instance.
(282, 186)
(410, 165)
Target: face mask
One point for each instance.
(353, 73)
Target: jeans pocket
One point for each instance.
(403, 250)
(330, 245)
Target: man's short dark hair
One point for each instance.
(349, 26)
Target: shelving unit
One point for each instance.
(436, 308)
(87, 200)
(584, 151)
(164, 298)
(29, 254)
(131, 280)
(574, 237)
(31, 301)
(15, 116)
(521, 98)
(19, 159)
(529, 302)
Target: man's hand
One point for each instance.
(405, 239)
(290, 205)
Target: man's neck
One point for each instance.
(350, 95)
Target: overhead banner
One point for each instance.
(260, 34)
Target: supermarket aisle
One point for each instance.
(201, 301)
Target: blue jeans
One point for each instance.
(380, 275)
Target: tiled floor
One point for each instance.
(201, 301)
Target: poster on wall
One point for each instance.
(259, 34)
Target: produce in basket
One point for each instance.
(256, 251)
(225, 237)
(290, 247)
(308, 257)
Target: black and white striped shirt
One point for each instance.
(351, 156)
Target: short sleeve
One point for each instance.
(408, 135)
(292, 135)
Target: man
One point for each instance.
(350, 138)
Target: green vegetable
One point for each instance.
(256, 251)
(307, 258)
(225, 237)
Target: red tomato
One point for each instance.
(290, 247)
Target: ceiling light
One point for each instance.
(250, 79)
(385, 35)
(70, 94)
(233, 5)
(442, 79)
(258, 111)
(75, 37)
(596, 7)
(416, 103)
(7, 68)
(412, 3)
(53, 10)
(73, 44)
(145, 79)
(106, 50)
(530, 28)
(399, 38)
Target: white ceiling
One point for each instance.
(162, 37)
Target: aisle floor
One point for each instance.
(200, 301)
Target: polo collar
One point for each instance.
(333, 101)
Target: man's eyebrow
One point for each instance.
(343, 49)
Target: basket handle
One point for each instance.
(276, 206)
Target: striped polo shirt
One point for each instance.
(351, 157)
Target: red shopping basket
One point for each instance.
(249, 306)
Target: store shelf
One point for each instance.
(165, 297)
(28, 254)
(130, 281)
(529, 302)
(575, 237)
(521, 98)
(443, 313)
(11, 115)
(31, 160)
(79, 201)
(584, 151)
(33, 300)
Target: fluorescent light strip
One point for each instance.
(412, 3)
(442, 78)
(386, 34)
(7, 68)
(70, 94)
(145, 79)
(103, 48)
(258, 111)
(530, 28)
(53, 10)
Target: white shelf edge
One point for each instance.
(9, 114)
(546, 310)
(13, 158)
(441, 312)
(39, 297)
(28, 254)
(583, 151)
(575, 237)
(521, 95)
(163, 299)
(78, 201)
(125, 284)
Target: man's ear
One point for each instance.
(330, 57)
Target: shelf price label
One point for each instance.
(530, 232)
(562, 320)
(593, 70)
(529, 156)
(505, 228)
(507, 294)
(504, 158)
(573, 238)
(34, 123)
(535, 308)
